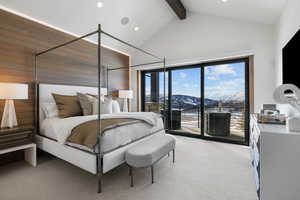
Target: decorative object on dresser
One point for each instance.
(274, 158)
(279, 119)
(269, 109)
(9, 92)
(270, 114)
(125, 94)
(289, 94)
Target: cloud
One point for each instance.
(233, 83)
(212, 78)
(189, 86)
(216, 71)
(186, 85)
(182, 75)
(224, 70)
(231, 89)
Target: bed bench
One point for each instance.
(147, 153)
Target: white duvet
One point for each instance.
(61, 129)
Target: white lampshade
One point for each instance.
(126, 94)
(13, 91)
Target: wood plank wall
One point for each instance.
(75, 64)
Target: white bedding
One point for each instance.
(60, 129)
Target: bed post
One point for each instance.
(36, 97)
(99, 154)
(107, 68)
(165, 114)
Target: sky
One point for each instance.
(225, 81)
(221, 81)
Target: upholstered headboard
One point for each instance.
(45, 93)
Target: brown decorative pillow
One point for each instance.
(68, 106)
(86, 103)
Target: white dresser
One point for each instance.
(275, 158)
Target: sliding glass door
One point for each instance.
(153, 98)
(225, 93)
(186, 100)
(208, 100)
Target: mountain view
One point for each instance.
(223, 87)
(186, 102)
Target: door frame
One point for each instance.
(202, 66)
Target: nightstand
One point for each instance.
(20, 138)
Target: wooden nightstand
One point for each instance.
(29, 152)
(13, 137)
(20, 138)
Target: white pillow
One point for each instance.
(106, 106)
(49, 109)
(115, 107)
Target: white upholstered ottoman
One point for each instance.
(147, 153)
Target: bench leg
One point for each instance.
(152, 174)
(99, 183)
(129, 170)
(131, 176)
(173, 155)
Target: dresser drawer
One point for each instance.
(254, 132)
(257, 179)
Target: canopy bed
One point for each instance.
(96, 142)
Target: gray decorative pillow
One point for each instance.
(86, 103)
(106, 106)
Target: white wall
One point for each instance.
(200, 38)
(287, 26)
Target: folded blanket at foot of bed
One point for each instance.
(86, 133)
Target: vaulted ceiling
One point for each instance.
(262, 11)
(82, 16)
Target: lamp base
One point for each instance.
(125, 105)
(9, 118)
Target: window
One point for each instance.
(209, 100)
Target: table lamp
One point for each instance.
(9, 92)
(125, 94)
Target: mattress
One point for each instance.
(58, 129)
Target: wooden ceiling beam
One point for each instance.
(178, 8)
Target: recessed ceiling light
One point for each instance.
(136, 28)
(224, 1)
(99, 4)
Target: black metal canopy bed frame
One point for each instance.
(98, 33)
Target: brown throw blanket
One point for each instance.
(86, 133)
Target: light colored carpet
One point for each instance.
(203, 170)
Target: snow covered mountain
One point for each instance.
(191, 102)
